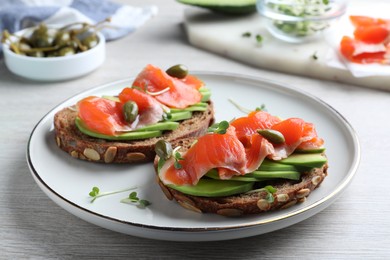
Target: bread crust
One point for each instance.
(288, 193)
(85, 147)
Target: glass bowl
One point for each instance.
(300, 20)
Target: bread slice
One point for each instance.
(85, 147)
(287, 194)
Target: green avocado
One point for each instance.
(224, 6)
(125, 136)
(267, 175)
(312, 160)
(213, 174)
(314, 150)
(289, 168)
(269, 165)
(258, 175)
(214, 188)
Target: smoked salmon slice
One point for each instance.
(106, 116)
(349, 48)
(210, 151)
(153, 91)
(181, 92)
(366, 21)
(296, 133)
(101, 115)
(149, 109)
(248, 125)
(241, 149)
(370, 43)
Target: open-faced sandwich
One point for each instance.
(159, 105)
(253, 164)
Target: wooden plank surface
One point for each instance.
(356, 226)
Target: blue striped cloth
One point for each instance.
(18, 14)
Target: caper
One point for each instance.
(178, 71)
(163, 149)
(23, 46)
(273, 136)
(38, 54)
(90, 41)
(42, 37)
(73, 44)
(65, 51)
(62, 39)
(51, 54)
(130, 111)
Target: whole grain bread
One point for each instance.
(85, 147)
(288, 193)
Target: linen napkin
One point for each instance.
(18, 14)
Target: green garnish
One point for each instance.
(163, 149)
(259, 38)
(314, 56)
(130, 111)
(177, 156)
(239, 107)
(206, 93)
(246, 110)
(133, 198)
(261, 108)
(246, 34)
(157, 92)
(270, 190)
(219, 128)
(273, 136)
(95, 192)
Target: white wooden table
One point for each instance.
(356, 226)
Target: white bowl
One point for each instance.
(55, 68)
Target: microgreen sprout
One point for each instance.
(156, 93)
(177, 156)
(95, 192)
(246, 34)
(139, 88)
(270, 190)
(222, 127)
(259, 38)
(261, 108)
(314, 56)
(246, 110)
(134, 199)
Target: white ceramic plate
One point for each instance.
(67, 181)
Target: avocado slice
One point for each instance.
(162, 126)
(224, 6)
(269, 165)
(314, 150)
(125, 136)
(266, 175)
(178, 116)
(312, 160)
(258, 175)
(213, 174)
(214, 188)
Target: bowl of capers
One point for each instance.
(54, 53)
